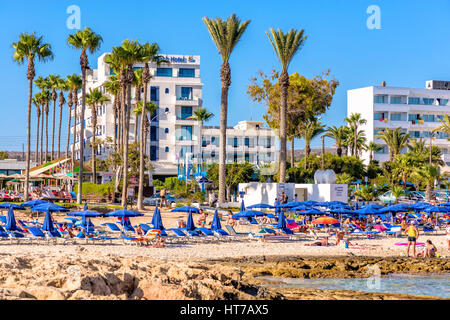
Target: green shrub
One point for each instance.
(100, 189)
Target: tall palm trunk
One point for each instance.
(136, 116)
(200, 140)
(61, 104)
(70, 104)
(53, 127)
(93, 145)
(145, 81)
(225, 75)
(46, 132)
(84, 65)
(75, 124)
(292, 152)
(284, 85)
(115, 110)
(36, 156)
(126, 127)
(41, 154)
(30, 77)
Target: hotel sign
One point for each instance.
(180, 59)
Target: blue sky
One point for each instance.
(412, 46)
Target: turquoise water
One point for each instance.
(431, 285)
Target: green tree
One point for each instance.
(308, 131)
(201, 115)
(339, 135)
(397, 192)
(372, 147)
(429, 174)
(4, 155)
(395, 139)
(74, 83)
(226, 35)
(84, 40)
(367, 194)
(28, 48)
(355, 121)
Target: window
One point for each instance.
(167, 149)
(428, 118)
(153, 153)
(428, 101)
(414, 134)
(167, 91)
(186, 73)
(247, 142)
(396, 100)
(398, 116)
(186, 93)
(164, 72)
(215, 141)
(184, 150)
(413, 100)
(380, 116)
(166, 130)
(213, 154)
(414, 117)
(186, 112)
(153, 133)
(379, 99)
(154, 93)
(185, 133)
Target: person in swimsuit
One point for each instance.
(447, 231)
(162, 195)
(413, 235)
(430, 250)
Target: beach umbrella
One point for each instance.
(325, 220)
(11, 220)
(33, 203)
(154, 215)
(215, 225)
(447, 204)
(311, 212)
(248, 214)
(341, 211)
(367, 210)
(298, 208)
(291, 204)
(7, 205)
(281, 221)
(186, 209)
(242, 205)
(48, 222)
(436, 209)
(309, 203)
(276, 205)
(157, 221)
(260, 206)
(190, 222)
(44, 207)
(373, 206)
(396, 208)
(124, 213)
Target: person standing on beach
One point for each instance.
(162, 195)
(447, 231)
(413, 235)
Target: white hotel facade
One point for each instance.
(176, 89)
(415, 111)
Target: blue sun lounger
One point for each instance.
(112, 226)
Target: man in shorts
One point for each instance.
(413, 235)
(163, 199)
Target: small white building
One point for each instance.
(258, 192)
(322, 192)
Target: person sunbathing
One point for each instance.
(160, 243)
(202, 219)
(181, 224)
(321, 243)
(430, 250)
(66, 230)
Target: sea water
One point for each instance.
(437, 285)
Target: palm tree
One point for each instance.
(226, 35)
(54, 83)
(75, 84)
(28, 48)
(94, 99)
(63, 87)
(445, 127)
(83, 40)
(395, 139)
(201, 115)
(339, 135)
(429, 174)
(372, 147)
(286, 45)
(397, 192)
(309, 131)
(366, 193)
(37, 103)
(354, 121)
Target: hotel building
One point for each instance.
(176, 89)
(415, 111)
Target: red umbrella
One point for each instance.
(325, 220)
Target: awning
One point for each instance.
(38, 172)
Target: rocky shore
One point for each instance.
(86, 276)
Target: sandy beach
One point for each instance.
(207, 269)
